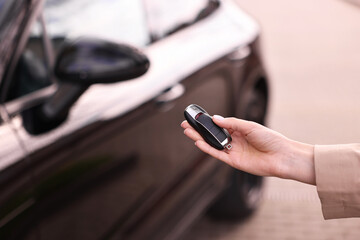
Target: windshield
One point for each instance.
(115, 20)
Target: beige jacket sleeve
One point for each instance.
(337, 169)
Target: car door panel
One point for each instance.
(93, 180)
(192, 185)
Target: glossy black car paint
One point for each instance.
(110, 173)
(88, 61)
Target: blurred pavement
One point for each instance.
(312, 53)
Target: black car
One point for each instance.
(92, 94)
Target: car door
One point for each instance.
(119, 166)
(126, 175)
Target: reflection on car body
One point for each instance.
(113, 163)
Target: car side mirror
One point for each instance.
(79, 64)
(87, 61)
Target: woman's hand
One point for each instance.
(259, 150)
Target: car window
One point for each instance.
(32, 71)
(12, 21)
(168, 16)
(115, 20)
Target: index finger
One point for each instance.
(185, 124)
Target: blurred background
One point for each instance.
(311, 50)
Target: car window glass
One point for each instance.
(115, 20)
(164, 16)
(32, 71)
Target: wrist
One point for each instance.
(298, 162)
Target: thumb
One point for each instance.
(233, 123)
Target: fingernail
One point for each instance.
(218, 117)
(195, 144)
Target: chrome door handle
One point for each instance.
(171, 94)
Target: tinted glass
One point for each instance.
(32, 71)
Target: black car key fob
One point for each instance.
(201, 121)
